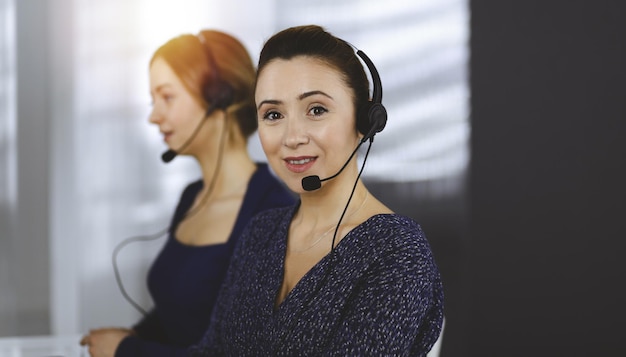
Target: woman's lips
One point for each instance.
(299, 164)
(167, 136)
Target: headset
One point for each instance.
(371, 117)
(217, 91)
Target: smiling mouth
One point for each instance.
(299, 164)
(299, 161)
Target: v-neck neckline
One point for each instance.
(312, 277)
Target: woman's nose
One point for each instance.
(155, 117)
(295, 135)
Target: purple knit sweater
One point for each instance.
(380, 294)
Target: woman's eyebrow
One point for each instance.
(314, 92)
(160, 87)
(300, 97)
(269, 101)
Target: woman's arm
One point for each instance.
(133, 346)
(149, 327)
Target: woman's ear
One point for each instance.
(359, 135)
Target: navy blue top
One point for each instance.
(184, 280)
(380, 294)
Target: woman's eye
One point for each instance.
(272, 116)
(318, 110)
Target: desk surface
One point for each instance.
(42, 346)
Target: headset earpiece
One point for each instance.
(217, 92)
(377, 116)
(372, 117)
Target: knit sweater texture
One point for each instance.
(379, 293)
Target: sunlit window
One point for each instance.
(7, 164)
(7, 103)
(421, 50)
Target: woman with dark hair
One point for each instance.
(202, 87)
(338, 273)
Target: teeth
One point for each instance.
(300, 162)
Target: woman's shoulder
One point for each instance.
(266, 226)
(393, 222)
(394, 241)
(268, 188)
(270, 221)
(193, 187)
(263, 174)
(273, 216)
(394, 232)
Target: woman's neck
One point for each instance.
(325, 206)
(229, 175)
